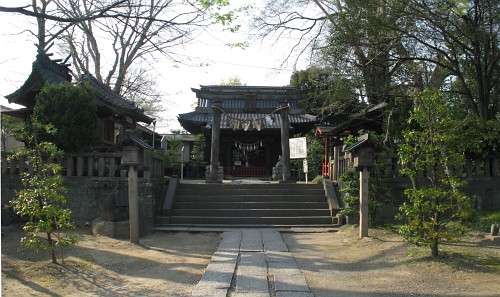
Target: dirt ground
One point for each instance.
(165, 264)
(334, 264)
(341, 265)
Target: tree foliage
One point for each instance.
(436, 207)
(461, 40)
(11, 127)
(390, 49)
(198, 152)
(232, 81)
(43, 196)
(326, 94)
(172, 158)
(72, 111)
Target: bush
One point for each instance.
(318, 179)
(73, 113)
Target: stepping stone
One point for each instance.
(251, 279)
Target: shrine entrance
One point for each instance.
(247, 128)
(249, 156)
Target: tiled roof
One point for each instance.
(44, 70)
(137, 139)
(107, 97)
(240, 92)
(246, 89)
(240, 103)
(204, 118)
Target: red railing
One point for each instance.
(326, 168)
(248, 171)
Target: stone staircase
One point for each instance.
(249, 205)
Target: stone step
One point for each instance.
(259, 186)
(251, 212)
(202, 220)
(301, 228)
(250, 198)
(251, 205)
(237, 191)
(264, 204)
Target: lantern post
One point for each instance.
(130, 158)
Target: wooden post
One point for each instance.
(4, 164)
(79, 166)
(90, 166)
(214, 152)
(22, 164)
(130, 158)
(102, 166)
(336, 157)
(112, 167)
(363, 202)
(285, 142)
(133, 204)
(69, 165)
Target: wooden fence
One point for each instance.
(474, 169)
(91, 165)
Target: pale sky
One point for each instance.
(256, 65)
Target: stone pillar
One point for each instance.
(363, 202)
(214, 153)
(285, 141)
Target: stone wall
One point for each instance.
(485, 190)
(87, 197)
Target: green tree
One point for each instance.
(11, 127)
(326, 94)
(436, 207)
(232, 81)
(460, 39)
(43, 196)
(198, 152)
(72, 111)
(172, 158)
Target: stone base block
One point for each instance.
(119, 229)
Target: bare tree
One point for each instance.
(351, 37)
(117, 41)
(462, 40)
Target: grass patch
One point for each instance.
(483, 220)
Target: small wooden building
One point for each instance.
(369, 119)
(116, 114)
(250, 125)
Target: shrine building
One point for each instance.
(247, 127)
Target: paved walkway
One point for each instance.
(252, 263)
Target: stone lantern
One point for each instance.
(131, 158)
(363, 160)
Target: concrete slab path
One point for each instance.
(252, 263)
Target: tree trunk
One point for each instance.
(434, 247)
(52, 248)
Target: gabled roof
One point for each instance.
(246, 107)
(108, 98)
(47, 71)
(223, 92)
(369, 119)
(44, 70)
